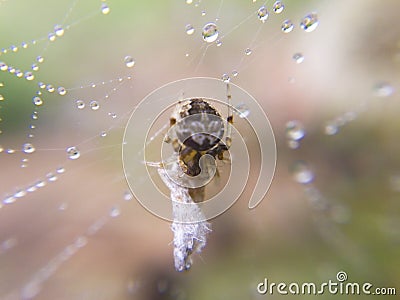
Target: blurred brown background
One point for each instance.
(346, 219)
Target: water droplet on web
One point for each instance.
(40, 59)
(295, 130)
(51, 177)
(80, 104)
(41, 85)
(3, 66)
(189, 29)
(9, 200)
(50, 88)
(1, 98)
(302, 173)
(189, 1)
(225, 77)
(24, 45)
(309, 22)
(20, 194)
(60, 170)
(29, 76)
(210, 32)
(35, 67)
(235, 73)
(287, 26)
(10, 151)
(14, 48)
(298, 58)
(34, 116)
(105, 9)
(331, 129)
(129, 61)
(58, 30)
(383, 89)
(112, 115)
(51, 36)
(247, 51)
(94, 105)
(262, 14)
(292, 144)
(61, 91)
(40, 184)
(128, 196)
(103, 134)
(37, 101)
(218, 43)
(115, 212)
(19, 73)
(278, 7)
(203, 13)
(28, 148)
(73, 153)
(243, 110)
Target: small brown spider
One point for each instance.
(199, 130)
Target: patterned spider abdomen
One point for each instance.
(200, 126)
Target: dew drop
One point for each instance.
(20, 194)
(73, 153)
(40, 59)
(9, 200)
(41, 85)
(247, 51)
(189, 1)
(103, 134)
(292, 144)
(115, 212)
(225, 77)
(383, 89)
(218, 43)
(302, 173)
(19, 73)
(128, 196)
(80, 104)
(262, 14)
(60, 170)
(3, 66)
(37, 101)
(295, 130)
(1, 98)
(51, 177)
(11, 69)
(34, 116)
(189, 29)
(210, 32)
(50, 88)
(28, 148)
(105, 9)
(29, 76)
(35, 67)
(58, 30)
(61, 91)
(31, 189)
(129, 61)
(24, 45)
(14, 48)
(40, 184)
(51, 36)
(278, 7)
(94, 105)
(287, 26)
(203, 13)
(243, 110)
(309, 22)
(298, 58)
(331, 128)
(10, 151)
(235, 73)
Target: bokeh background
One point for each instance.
(332, 206)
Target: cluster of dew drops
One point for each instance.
(38, 100)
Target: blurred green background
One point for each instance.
(346, 219)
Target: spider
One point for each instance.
(198, 131)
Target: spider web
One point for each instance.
(68, 227)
